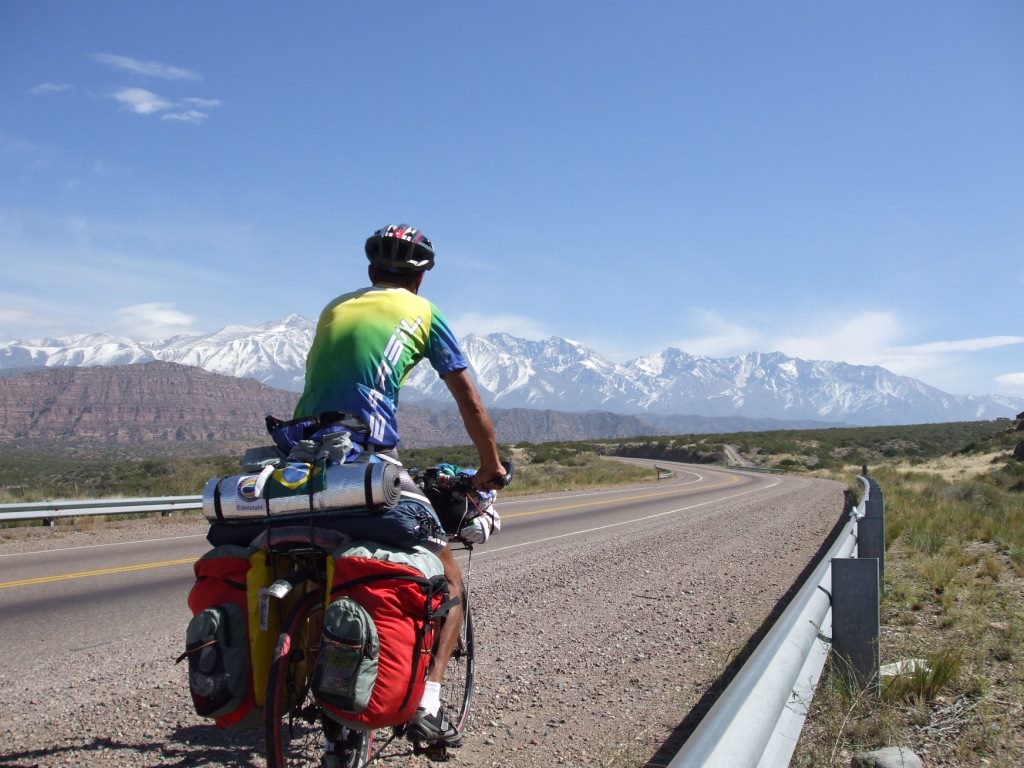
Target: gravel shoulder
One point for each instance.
(591, 650)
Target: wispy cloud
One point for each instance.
(154, 320)
(867, 338)
(140, 101)
(145, 68)
(192, 116)
(718, 337)
(200, 103)
(144, 102)
(1011, 383)
(482, 324)
(937, 360)
(31, 317)
(17, 316)
(967, 345)
(863, 338)
(44, 88)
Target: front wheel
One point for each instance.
(296, 731)
(457, 689)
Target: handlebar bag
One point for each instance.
(403, 592)
(450, 506)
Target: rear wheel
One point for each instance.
(296, 731)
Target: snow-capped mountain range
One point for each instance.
(562, 375)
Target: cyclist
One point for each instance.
(366, 343)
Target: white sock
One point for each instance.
(431, 700)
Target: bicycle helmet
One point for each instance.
(400, 248)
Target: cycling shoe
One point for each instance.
(436, 729)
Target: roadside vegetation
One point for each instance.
(43, 475)
(57, 471)
(954, 599)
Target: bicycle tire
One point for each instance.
(296, 732)
(457, 689)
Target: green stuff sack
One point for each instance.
(346, 668)
(217, 638)
(217, 648)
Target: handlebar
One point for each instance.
(430, 478)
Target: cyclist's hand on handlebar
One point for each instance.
(493, 478)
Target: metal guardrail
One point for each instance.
(757, 720)
(48, 511)
(767, 470)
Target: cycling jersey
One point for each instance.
(365, 345)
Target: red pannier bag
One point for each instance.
(403, 592)
(217, 639)
(230, 637)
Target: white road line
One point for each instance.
(567, 494)
(108, 544)
(531, 500)
(624, 522)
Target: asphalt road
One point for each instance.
(616, 607)
(78, 598)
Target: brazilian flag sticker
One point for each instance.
(292, 476)
(294, 479)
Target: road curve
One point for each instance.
(593, 608)
(118, 590)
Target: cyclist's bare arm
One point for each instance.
(478, 427)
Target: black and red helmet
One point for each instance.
(400, 248)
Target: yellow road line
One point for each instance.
(86, 574)
(146, 566)
(731, 481)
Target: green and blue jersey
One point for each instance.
(366, 344)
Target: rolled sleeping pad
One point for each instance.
(241, 497)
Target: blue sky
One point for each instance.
(840, 181)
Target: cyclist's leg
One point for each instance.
(453, 622)
(458, 679)
(431, 723)
(451, 627)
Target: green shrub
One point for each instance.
(925, 681)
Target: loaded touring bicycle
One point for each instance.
(317, 612)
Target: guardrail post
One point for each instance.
(871, 529)
(856, 619)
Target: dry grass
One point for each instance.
(966, 709)
(953, 468)
(954, 596)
